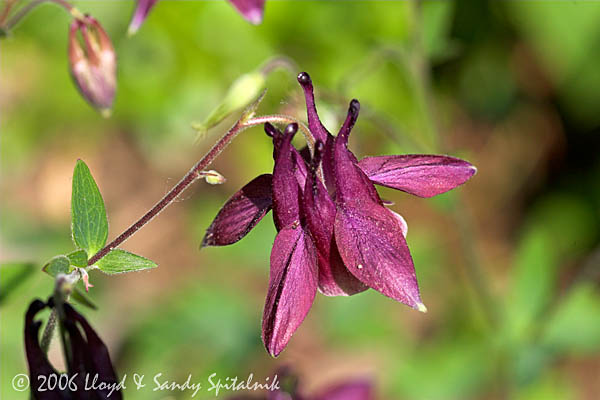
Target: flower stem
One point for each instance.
(279, 62)
(193, 174)
(29, 7)
(284, 119)
(7, 7)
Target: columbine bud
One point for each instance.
(93, 63)
(212, 177)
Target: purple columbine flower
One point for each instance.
(251, 10)
(87, 357)
(334, 232)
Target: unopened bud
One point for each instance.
(212, 177)
(93, 63)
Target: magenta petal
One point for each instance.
(292, 287)
(252, 10)
(402, 222)
(319, 210)
(353, 187)
(240, 213)
(421, 175)
(141, 12)
(289, 173)
(369, 237)
(356, 390)
(374, 250)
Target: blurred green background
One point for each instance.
(509, 264)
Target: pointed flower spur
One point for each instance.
(335, 234)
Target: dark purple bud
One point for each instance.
(292, 286)
(251, 10)
(142, 10)
(93, 63)
(319, 210)
(241, 213)
(418, 174)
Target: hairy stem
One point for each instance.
(284, 119)
(193, 174)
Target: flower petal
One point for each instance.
(402, 222)
(373, 248)
(36, 359)
(241, 213)
(357, 188)
(95, 352)
(292, 287)
(421, 175)
(289, 175)
(299, 165)
(319, 211)
(142, 9)
(369, 237)
(355, 390)
(252, 10)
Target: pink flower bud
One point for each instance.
(93, 63)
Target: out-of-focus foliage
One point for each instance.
(508, 265)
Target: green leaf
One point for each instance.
(575, 325)
(534, 281)
(14, 274)
(89, 224)
(58, 265)
(82, 299)
(120, 261)
(78, 258)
